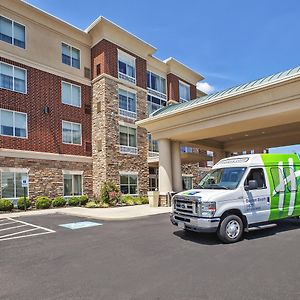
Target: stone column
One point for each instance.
(165, 166)
(176, 167)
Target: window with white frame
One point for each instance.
(184, 92)
(153, 145)
(155, 103)
(126, 66)
(11, 184)
(128, 143)
(72, 184)
(185, 149)
(70, 94)
(156, 82)
(153, 179)
(71, 133)
(187, 181)
(13, 123)
(70, 55)
(13, 78)
(127, 103)
(129, 184)
(12, 32)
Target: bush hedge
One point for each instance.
(74, 201)
(59, 202)
(91, 204)
(6, 205)
(144, 200)
(21, 203)
(128, 200)
(110, 193)
(43, 202)
(84, 199)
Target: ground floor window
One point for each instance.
(72, 185)
(11, 185)
(129, 184)
(187, 182)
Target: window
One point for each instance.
(72, 185)
(11, 185)
(128, 140)
(71, 133)
(258, 175)
(126, 66)
(13, 78)
(70, 56)
(187, 182)
(128, 184)
(155, 82)
(153, 179)
(127, 104)
(13, 123)
(153, 146)
(12, 32)
(185, 149)
(71, 94)
(184, 92)
(155, 103)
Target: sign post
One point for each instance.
(24, 182)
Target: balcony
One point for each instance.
(128, 150)
(127, 77)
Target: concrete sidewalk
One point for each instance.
(113, 213)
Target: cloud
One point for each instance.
(205, 87)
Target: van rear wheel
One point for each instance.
(231, 229)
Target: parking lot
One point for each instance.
(146, 258)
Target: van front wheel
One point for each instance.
(231, 229)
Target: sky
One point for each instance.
(228, 42)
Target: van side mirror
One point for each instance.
(252, 185)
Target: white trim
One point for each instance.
(15, 67)
(62, 42)
(44, 156)
(14, 123)
(187, 175)
(71, 84)
(72, 172)
(62, 138)
(189, 88)
(14, 170)
(128, 173)
(122, 86)
(12, 31)
(123, 123)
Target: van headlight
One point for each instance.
(208, 209)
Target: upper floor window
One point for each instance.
(185, 149)
(127, 104)
(70, 56)
(184, 92)
(128, 142)
(12, 32)
(13, 123)
(155, 103)
(13, 78)
(153, 145)
(126, 66)
(71, 133)
(71, 94)
(156, 82)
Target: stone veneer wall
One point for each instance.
(108, 162)
(46, 176)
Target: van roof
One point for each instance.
(258, 160)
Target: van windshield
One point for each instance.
(224, 178)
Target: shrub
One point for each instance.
(103, 205)
(6, 205)
(21, 203)
(74, 201)
(144, 200)
(83, 199)
(110, 193)
(137, 201)
(59, 202)
(43, 202)
(128, 200)
(91, 204)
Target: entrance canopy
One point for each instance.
(259, 114)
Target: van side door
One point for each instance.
(256, 195)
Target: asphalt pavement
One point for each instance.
(147, 258)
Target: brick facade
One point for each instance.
(45, 130)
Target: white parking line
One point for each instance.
(20, 234)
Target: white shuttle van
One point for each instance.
(240, 192)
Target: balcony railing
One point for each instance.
(153, 154)
(128, 150)
(127, 77)
(157, 93)
(127, 113)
